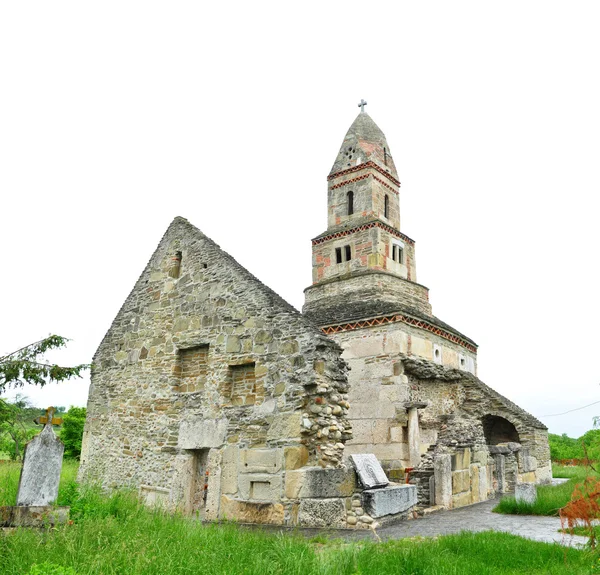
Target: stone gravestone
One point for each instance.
(42, 462)
(369, 470)
(38, 484)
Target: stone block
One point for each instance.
(442, 472)
(251, 512)
(229, 469)
(322, 513)
(285, 426)
(461, 481)
(261, 460)
(461, 499)
(526, 493)
(33, 516)
(199, 433)
(389, 500)
(461, 459)
(527, 462)
(260, 486)
(313, 482)
(295, 457)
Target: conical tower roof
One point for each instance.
(364, 142)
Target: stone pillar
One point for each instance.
(442, 472)
(414, 434)
(500, 471)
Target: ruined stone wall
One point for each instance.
(379, 388)
(208, 385)
(460, 411)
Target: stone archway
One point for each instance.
(498, 430)
(503, 441)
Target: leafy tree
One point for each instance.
(24, 365)
(15, 425)
(71, 432)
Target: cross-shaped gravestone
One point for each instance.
(362, 106)
(42, 462)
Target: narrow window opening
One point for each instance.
(400, 255)
(338, 255)
(386, 207)
(175, 265)
(394, 249)
(350, 203)
(385, 156)
(348, 253)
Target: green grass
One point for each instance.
(550, 498)
(115, 534)
(9, 481)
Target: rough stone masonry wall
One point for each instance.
(379, 388)
(209, 389)
(467, 467)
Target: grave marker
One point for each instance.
(369, 470)
(42, 462)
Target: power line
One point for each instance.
(571, 410)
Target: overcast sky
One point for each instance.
(115, 117)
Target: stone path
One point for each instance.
(479, 517)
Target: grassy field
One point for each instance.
(116, 535)
(550, 497)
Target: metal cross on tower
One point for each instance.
(362, 106)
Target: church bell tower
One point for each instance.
(363, 265)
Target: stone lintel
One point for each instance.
(416, 404)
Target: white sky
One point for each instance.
(115, 117)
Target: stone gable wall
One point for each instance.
(201, 363)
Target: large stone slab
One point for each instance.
(389, 500)
(40, 475)
(199, 433)
(369, 470)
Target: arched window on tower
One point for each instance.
(386, 207)
(350, 196)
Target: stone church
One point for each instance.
(212, 395)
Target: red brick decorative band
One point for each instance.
(404, 319)
(345, 183)
(364, 177)
(362, 167)
(368, 226)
